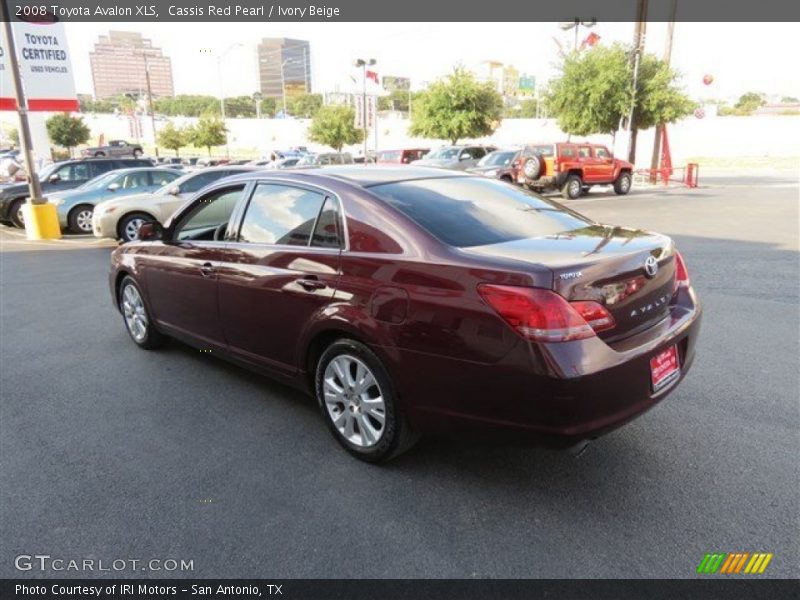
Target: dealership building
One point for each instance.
(120, 61)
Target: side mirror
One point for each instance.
(465, 157)
(113, 187)
(174, 190)
(54, 177)
(150, 231)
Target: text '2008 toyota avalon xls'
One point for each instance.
(415, 300)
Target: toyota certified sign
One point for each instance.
(45, 67)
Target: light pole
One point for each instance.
(364, 64)
(222, 93)
(283, 79)
(150, 101)
(576, 24)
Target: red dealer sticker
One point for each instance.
(664, 368)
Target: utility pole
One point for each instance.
(150, 101)
(638, 46)
(656, 158)
(363, 64)
(41, 218)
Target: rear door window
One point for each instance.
(281, 214)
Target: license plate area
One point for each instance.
(665, 368)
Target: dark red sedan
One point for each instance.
(413, 300)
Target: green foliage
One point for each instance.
(595, 92)
(174, 138)
(13, 137)
(396, 100)
(334, 126)
(749, 102)
(209, 131)
(269, 106)
(304, 106)
(240, 106)
(789, 100)
(456, 107)
(64, 130)
(187, 105)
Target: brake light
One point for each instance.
(681, 273)
(594, 314)
(536, 314)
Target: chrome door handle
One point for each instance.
(310, 284)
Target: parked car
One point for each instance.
(499, 164)
(454, 157)
(325, 158)
(404, 157)
(120, 218)
(413, 300)
(572, 168)
(283, 163)
(58, 177)
(114, 148)
(75, 207)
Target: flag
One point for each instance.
(374, 76)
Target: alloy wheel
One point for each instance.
(354, 401)
(134, 313)
(84, 220)
(131, 230)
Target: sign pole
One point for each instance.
(41, 218)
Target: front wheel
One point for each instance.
(573, 187)
(129, 226)
(80, 219)
(15, 213)
(359, 404)
(137, 153)
(623, 184)
(136, 316)
(99, 154)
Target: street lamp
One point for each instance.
(257, 98)
(222, 92)
(364, 64)
(150, 100)
(283, 79)
(576, 23)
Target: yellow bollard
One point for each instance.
(41, 221)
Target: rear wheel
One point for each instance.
(573, 187)
(129, 226)
(137, 153)
(359, 404)
(15, 213)
(80, 219)
(99, 154)
(136, 316)
(623, 184)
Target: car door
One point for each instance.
(181, 277)
(603, 164)
(587, 162)
(282, 269)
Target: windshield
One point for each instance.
(444, 153)
(476, 211)
(497, 159)
(309, 159)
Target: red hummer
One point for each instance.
(572, 168)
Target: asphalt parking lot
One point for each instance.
(110, 452)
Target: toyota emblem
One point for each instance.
(651, 266)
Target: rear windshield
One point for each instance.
(475, 211)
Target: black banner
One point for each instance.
(406, 10)
(326, 589)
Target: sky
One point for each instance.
(741, 57)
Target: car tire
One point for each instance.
(352, 413)
(80, 218)
(99, 154)
(585, 190)
(532, 167)
(623, 184)
(136, 317)
(15, 213)
(137, 153)
(573, 187)
(128, 228)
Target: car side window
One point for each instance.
(133, 180)
(478, 152)
(568, 152)
(160, 179)
(602, 153)
(584, 152)
(326, 231)
(280, 214)
(200, 181)
(104, 166)
(208, 214)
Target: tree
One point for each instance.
(595, 92)
(750, 101)
(173, 138)
(396, 100)
(455, 107)
(64, 130)
(334, 126)
(13, 137)
(305, 105)
(209, 131)
(789, 100)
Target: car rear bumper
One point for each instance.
(549, 394)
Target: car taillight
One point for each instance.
(681, 273)
(544, 316)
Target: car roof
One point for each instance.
(363, 176)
